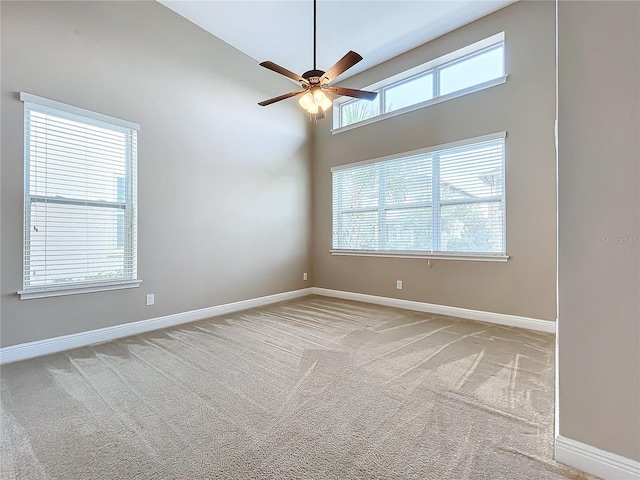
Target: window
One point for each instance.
(80, 200)
(408, 92)
(442, 201)
(472, 70)
(464, 71)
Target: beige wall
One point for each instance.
(599, 224)
(525, 108)
(223, 219)
(223, 183)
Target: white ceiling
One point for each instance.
(282, 30)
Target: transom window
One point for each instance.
(467, 70)
(80, 200)
(447, 200)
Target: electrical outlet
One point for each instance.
(399, 284)
(151, 299)
(304, 276)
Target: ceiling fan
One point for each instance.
(316, 83)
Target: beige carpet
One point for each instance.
(309, 389)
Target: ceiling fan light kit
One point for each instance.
(316, 83)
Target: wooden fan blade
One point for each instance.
(283, 71)
(281, 97)
(342, 65)
(350, 92)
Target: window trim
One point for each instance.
(77, 289)
(434, 255)
(432, 66)
(46, 102)
(498, 257)
(42, 291)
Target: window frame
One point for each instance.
(128, 204)
(432, 67)
(430, 255)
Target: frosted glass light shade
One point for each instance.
(306, 100)
(326, 103)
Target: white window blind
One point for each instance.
(80, 197)
(447, 200)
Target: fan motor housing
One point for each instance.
(313, 76)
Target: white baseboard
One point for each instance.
(489, 317)
(594, 461)
(38, 348)
(606, 465)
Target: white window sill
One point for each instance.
(427, 256)
(58, 291)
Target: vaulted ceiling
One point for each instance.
(282, 30)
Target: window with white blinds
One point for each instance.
(447, 200)
(80, 199)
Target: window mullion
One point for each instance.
(382, 220)
(435, 208)
(338, 212)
